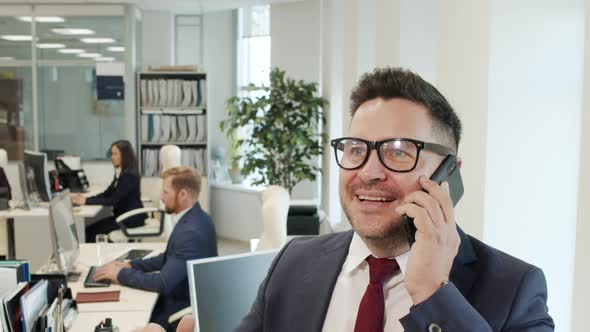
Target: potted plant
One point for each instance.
(282, 131)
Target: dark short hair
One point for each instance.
(389, 83)
(128, 159)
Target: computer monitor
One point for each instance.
(223, 288)
(64, 238)
(36, 177)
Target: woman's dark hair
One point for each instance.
(128, 159)
(389, 82)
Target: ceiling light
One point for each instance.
(71, 51)
(116, 48)
(17, 37)
(6, 58)
(89, 55)
(50, 45)
(105, 58)
(42, 19)
(68, 31)
(97, 40)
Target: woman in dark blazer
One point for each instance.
(122, 194)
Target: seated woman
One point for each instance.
(122, 194)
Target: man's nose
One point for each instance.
(373, 170)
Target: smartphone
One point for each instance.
(448, 170)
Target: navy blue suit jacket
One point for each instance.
(193, 237)
(488, 291)
(123, 195)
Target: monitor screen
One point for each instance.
(223, 288)
(36, 177)
(66, 247)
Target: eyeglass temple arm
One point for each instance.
(440, 149)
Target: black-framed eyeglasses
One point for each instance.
(396, 154)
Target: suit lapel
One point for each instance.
(320, 279)
(462, 273)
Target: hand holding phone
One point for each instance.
(448, 170)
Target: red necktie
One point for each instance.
(370, 317)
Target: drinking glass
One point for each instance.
(101, 241)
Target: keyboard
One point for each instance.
(134, 254)
(89, 281)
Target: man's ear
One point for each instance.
(459, 162)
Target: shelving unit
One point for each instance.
(172, 110)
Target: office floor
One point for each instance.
(230, 247)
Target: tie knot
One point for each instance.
(381, 269)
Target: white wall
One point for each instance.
(295, 48)
(158, 38)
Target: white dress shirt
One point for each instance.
(350, 288)
(175, 217)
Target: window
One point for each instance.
(253, 47)
(253, 54)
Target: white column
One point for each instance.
(462, 77)
(418, 33)
(533, 143)
(339, 55)
(295, 48)
(581, 291)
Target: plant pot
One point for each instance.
(235, 175)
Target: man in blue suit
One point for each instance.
(369, 279)
(193, 237)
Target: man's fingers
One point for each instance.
(187, 324)
(442, 195)
(420, 216)
(431, 206)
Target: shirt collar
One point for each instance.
(358, 252)
(177, 216)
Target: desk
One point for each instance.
(32, 240)
(126, 321)
(134, 307)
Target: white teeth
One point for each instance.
(371, 198)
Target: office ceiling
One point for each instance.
(187, 6)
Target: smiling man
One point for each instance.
(369, 279)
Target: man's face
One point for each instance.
(375, 120)
(169, 196)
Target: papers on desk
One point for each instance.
(12, 308)
(32, 303)
(173, 93)
(168, 127)
(195, 157)
(36, 307)
(13, 272)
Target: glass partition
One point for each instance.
(16, 111)
(50, 95)
(69, 54)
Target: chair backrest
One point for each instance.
(169, 156)
(275, 208)
(3, 159)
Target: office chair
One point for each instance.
(158, 225)
(3, 234)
